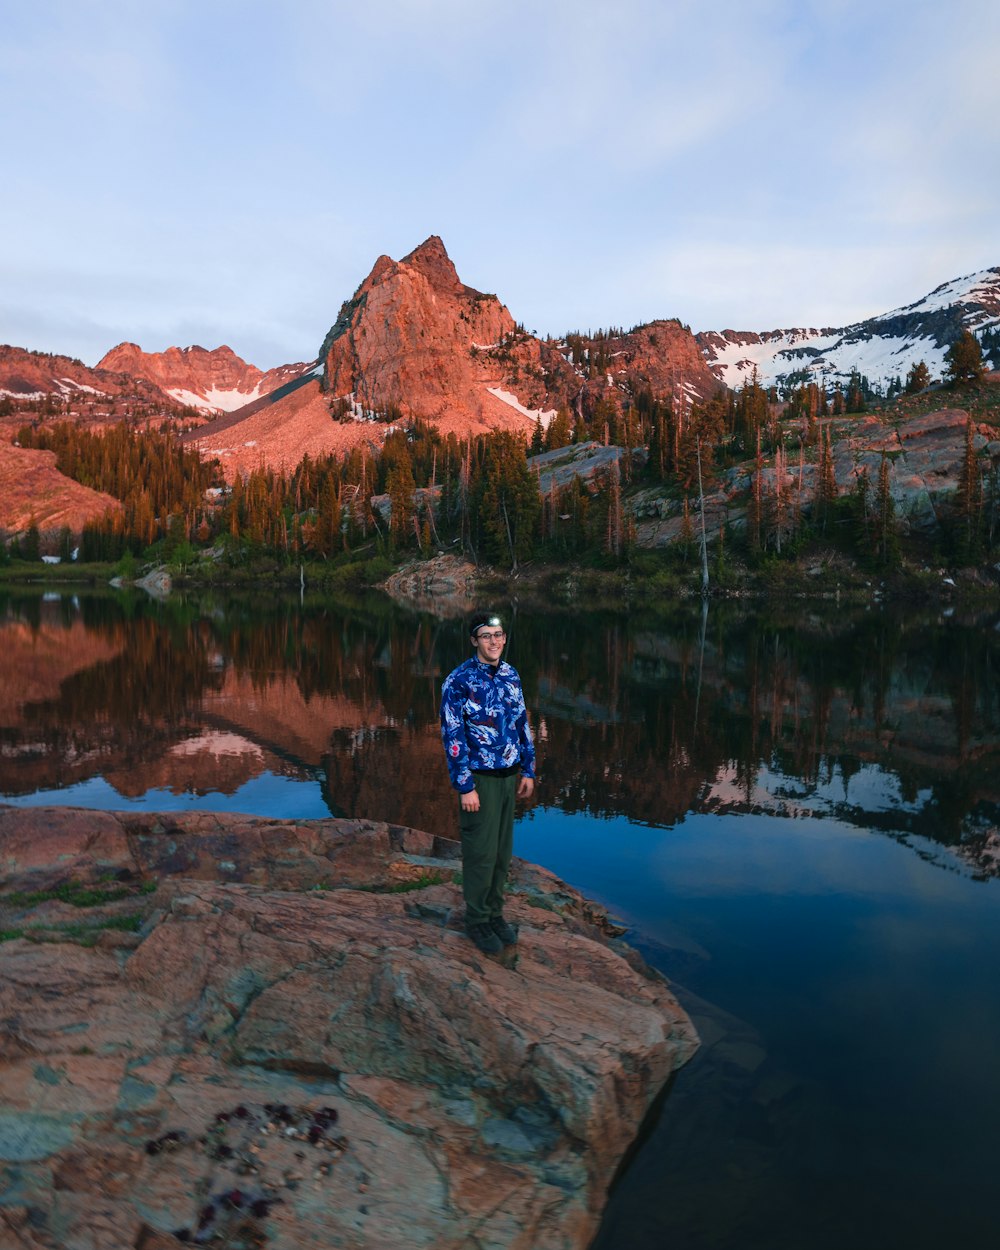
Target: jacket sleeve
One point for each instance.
(456, 747)
(525, 743)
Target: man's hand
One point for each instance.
(525, 787)
(470, 801)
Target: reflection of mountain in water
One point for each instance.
(885, 723)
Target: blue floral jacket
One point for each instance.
(484, 723)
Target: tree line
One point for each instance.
(425, 491)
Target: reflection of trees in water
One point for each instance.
(393, 774)
(120, 712)
(367, 661)
(810, 697)
(630, 719)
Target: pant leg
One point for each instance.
(506, 787)
(479, 831)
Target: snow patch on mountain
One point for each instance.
(214, 400)
(980, 289)
(512, 401)
(880, 348)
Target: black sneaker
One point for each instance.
(503, 930)
(484, 938)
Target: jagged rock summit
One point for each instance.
(256, 1032)
(415, 342)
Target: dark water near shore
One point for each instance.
(784, 808)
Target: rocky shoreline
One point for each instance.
(274, 1033)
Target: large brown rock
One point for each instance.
(294, 1051)
(413, 338)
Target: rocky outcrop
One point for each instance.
(213, 381)
(593, 463)
(445, 585)
(414, 340)
(661, 358)
(272, 1033)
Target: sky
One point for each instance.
(228, 171)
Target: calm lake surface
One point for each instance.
(782, 808)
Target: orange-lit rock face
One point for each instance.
(279, 431)
(217, 380)
(414, 338)
(415, 341)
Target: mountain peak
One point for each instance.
(431, 251)
(432, 260)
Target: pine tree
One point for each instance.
(860, 512)
(616, 524)
(755, 513)
(31, 548)
(918, 379)
(964, 359)
(777, 516)
(507, 496)
(560, 430)
(886, 537)
(400, 488)
(826, 483)
(751, 409)
(604, 422)
(857, 385)
(970, 498)
(686, 535)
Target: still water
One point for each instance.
(784, 808)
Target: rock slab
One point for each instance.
(270, 1033)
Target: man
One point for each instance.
(487, 742)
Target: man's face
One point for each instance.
(489, 642)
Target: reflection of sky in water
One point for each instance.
(845, 989)
(280, 797)
(843, 979)
(870, 789)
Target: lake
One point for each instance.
(784, 806)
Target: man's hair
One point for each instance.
(477, 622)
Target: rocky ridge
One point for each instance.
(881, 348)
(27, 375)
(415, 342)
(212, 381)
(272, 1033)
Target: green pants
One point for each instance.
(487, 844)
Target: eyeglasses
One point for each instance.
(485, 636)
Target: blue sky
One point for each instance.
(226, 172)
